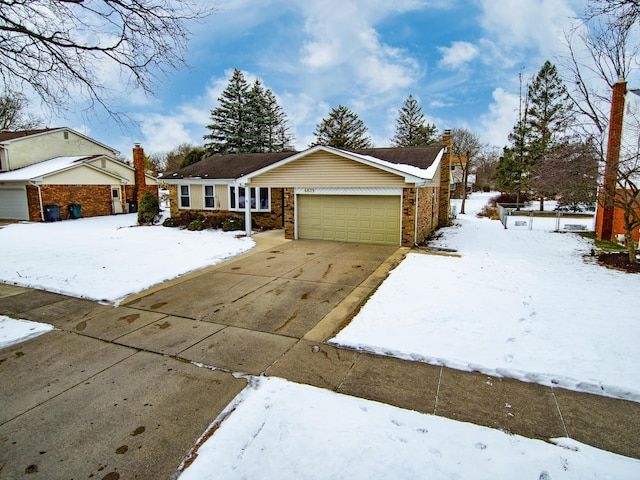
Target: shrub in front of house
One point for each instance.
(195, 225)
(169, 222)
(232, 223)
(148, 210)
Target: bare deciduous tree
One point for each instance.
(14, 115)
(467, 145)
(61, 48)
(600, 52)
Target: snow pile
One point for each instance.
(107, 258)
(281, 430)
(517, 303)
(15, 331)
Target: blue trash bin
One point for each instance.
(52, 213)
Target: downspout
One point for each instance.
(247, 210)
(415, 215)
(39, 199)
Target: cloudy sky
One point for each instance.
(460, 58)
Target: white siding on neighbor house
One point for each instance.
(324, 169)
(13, 203)
(82, 175)
(119, 169)
(29, 150)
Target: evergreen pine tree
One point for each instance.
(548, 118)
(248, 119)
(342, 129)
(411, 130)
(278, 137)
(229, 122)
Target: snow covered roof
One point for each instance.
(49, 167)
(424, 173)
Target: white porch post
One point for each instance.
(247, 211)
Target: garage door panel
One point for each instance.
(352, 218)
(13, 204)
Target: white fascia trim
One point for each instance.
(348, 191)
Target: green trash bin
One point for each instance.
(75, 211)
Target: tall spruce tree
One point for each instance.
(548, 118)
(248, 119)
(411, 129)
(342, 129)
(229, 121)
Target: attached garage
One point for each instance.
(13, 204)
(350, 218)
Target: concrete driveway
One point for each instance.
(114, 392)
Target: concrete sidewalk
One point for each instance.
(115, 392)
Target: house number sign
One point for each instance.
(309, 190)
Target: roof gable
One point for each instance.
(411, 162)
(7, 137)
(54, 166)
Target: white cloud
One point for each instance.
(502, 116)
(458, 54)
(343, 48)
(534, 24)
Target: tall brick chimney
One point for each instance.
(138, 165)
(604, 226)
(445, 180)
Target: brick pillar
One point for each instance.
(445, 180)
(138, 164)
(608, 192)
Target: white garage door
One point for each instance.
(13, 204)
(350, 218)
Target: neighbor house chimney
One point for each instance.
(445, 180)
(608, 191)
(138, 165)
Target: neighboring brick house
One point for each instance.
(458, 166)
(395, 196)
(60, 167)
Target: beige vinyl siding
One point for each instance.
(323, 169)
(197, 196)
(79, 176)
(30, 150)
(222, 195)
(350, 218)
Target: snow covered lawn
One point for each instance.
(517, 303)
(15, 331)
(281, 430)
(107, 258)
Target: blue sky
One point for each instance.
(459, 58)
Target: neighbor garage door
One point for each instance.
(13, 204)
(350, 218)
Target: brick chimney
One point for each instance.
(604, 222)
(445, 180)
(138, 165)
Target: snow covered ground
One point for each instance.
(281, 430)
(15, 331)
(517, 303)
(107, 258)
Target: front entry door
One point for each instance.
(116, 200)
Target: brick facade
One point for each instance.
(289, 213)
(95, 200)
(265, 220)
(428, 209)
(408, 220)
(445, 181)
(617, 222)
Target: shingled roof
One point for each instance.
(11, 135)
(236, 165)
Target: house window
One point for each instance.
(260, 198)
(66, 135)
(209, 196)
(185, 198)
(453, 167)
